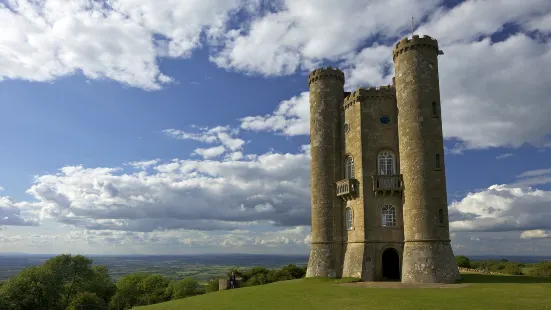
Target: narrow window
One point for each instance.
(386, 163)
(346, 128)
(349, 221)
(434, 109)
(437, 163)
(389, 216)
(349, 168)
(441, 216)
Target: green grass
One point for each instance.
(483, 292)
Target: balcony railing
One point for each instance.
(388, 183)
(347, 188)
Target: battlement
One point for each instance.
(326, 72)
(385, 92)
(415, 42)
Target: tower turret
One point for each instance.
(428, 256)
(326, 99)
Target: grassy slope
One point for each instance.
(485, 292)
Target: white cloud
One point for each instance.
(210, 152)
(502, 208)
(14, 213)
(191, 194)
(303, 33)
(534, 234)
(534, 177)
(119, 41)
(291, 118)
(221, 134)
(143, 165)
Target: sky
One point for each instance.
(181, 127)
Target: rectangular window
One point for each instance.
(437, 163)
(441, 216)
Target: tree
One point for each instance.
(33, 288)
(463, 261)
(86, 301)
(185, 288)
(138, 289)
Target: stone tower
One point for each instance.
(326, 97)
(379, 202)
(428, 256)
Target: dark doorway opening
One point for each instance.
(391, 265)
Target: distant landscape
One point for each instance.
(201, 267)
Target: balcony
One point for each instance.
(388, 184)
(347, 189)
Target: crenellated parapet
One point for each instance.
(327, 72)
(415, 42)
(381, 92)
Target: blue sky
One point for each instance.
(142, 128)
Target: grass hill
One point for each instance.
(477, 292)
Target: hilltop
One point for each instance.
(476, 292)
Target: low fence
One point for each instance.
(483, 271)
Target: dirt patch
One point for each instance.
(404, 285)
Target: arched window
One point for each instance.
(441, 216)
(349, 219)
(386, 163)
(349, 168)
(389, 216)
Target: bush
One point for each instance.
(86, 301)
(541, 270)
(185, 288)
(212, 286)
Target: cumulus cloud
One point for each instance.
(118, 40)
(13, 213)
(143, 165)
(301, 33)
(192, 194)
(220, 134)
(502, 208)
(291, 118)
(534, 234)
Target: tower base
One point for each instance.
(429, 262)
(320, 263)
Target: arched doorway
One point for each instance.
(391, 265)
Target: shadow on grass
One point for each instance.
(485, 278)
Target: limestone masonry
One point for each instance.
(379, 201)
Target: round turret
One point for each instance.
(428, 256)
(326, 99)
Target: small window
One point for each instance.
(349, 168)
(435, 109)
(349, 219)
(389, 216)
(346, 128)
(441, 216)
(437, 164)
(384, 120)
